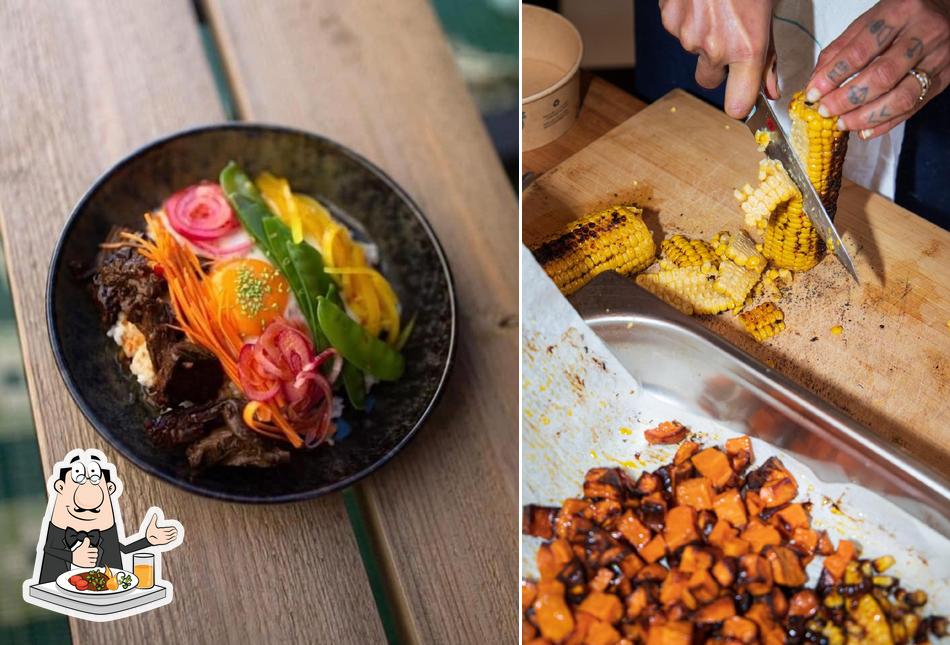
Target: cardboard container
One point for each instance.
(550, 62)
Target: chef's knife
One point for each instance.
(762, 117)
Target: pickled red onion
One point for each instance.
(201, 212)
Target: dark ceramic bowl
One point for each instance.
(375, 208)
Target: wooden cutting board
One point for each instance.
(680, 160)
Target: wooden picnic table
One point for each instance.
(83, 83)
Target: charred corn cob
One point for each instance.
(614, 239)
(682, 251)
(689, 289)
(735, 281)
(740, 249)
(821, 148)
(763, 321)
(773, 282)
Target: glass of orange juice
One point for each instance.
(143, 566)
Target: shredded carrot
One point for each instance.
(202, 320)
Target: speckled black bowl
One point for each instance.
(375, 208)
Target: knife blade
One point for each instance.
(762, 117)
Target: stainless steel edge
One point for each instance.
(844, 450)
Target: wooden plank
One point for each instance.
(378, 76)
(603, 106)
(890, 369)
(83, 83)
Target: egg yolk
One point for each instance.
(253, 290)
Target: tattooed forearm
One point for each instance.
(916, 47)
(839, 72)
(879, 116)
(882, 31)
(857, 95)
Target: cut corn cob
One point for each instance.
(791, 242)
(735, 281)
(682, 251)
(763, 321)
(775, 188)
(821, 148)
(689, 289)
(613, 239)
(740, 249)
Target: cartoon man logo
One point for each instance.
(83, 535)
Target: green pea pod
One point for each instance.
(353, 380)
(357, 345)
(309, 265)
(250, 207)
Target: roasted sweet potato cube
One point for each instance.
(721, 533)
(677, 632)
(602, 606)
(718, 611)
(655, 572)
(728, 506)
(601, 579)
(786, 567)
(680, 527)
(755, 574)
(804, 603)
(741, 629)
(825, 547)
(603, 511)
(714, 464)
(760, 535)
(636, 602)
(835, 563)
(539, 520)
(606, 483)
(703, 586)
(551, 613)
(805, 541)
(779, 602)
(769, 632)
(792, 517)
(724, 571)
(671, 591)
(696, 492)
(653, 511)
(686, 450)
(582, 625)
(648, 483)
(654, 549)
(562, 551)
(548, 566)
(602, 633)
(630, 565)
(694, 559)
(778, 492)
(539, 641)
(571, 519)
(666, 432)
(739, 450)
(753, 503)
(529, 591)
(633, 530)
(735, 547)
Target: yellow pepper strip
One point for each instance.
(365, 291)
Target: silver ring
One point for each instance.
(924, 81)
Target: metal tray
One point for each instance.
(676, 359)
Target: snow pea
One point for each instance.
(250, 207)
(356, 344)
(353, 380)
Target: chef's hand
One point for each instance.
(159, 535)
(727, 33)
(85, 555)
(881, 47)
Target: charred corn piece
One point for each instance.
(874, 625)
(883, 563)
(614, 239)
(773, 283)
(791, 242)
(821, 148)
(735, 281)
(682, 251)
(689, 289)
(763, 321)
(740, 249)
(775, 188)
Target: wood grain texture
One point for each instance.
(378, 76)
(890, 369)
(82, 84)
(603, 107)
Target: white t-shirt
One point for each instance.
(801, 30)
